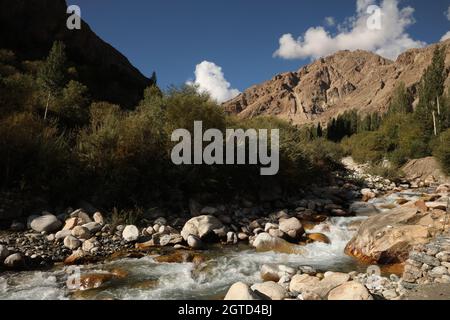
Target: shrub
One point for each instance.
(34, 155)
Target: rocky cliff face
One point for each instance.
(332, 85)
(29, 28)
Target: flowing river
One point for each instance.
(148, 279)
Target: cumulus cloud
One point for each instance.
(210, 78)
(389, 39)
(447, 13)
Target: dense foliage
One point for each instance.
(59, 145)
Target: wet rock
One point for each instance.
(318, 237)
(277, 233)
(130, 233)
(194, 242)
(72, 243)
(180, 256)
(350, 291)
(76, 258)
(276, 272)
(48, 223)
(241, 292)
(91, 281)
(292, 227)
(265, 242)
(14, 261)
(387, 238)
(363, 209)
(270, 289)
(165, 240)
(207, 228)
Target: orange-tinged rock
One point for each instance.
(318, 237)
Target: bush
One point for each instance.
(365, 147)
(122, 154)
(34, 156)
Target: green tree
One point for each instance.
(401, 101)
(430, 91)
(52, 75)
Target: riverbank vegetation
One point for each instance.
(408, 130)
(59, 145)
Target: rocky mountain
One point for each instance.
(29, 28)
(329, 86)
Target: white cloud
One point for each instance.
(210, 78)
(389, 41)
(446, 36)
(330, 21)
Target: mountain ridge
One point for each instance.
(29, 28)
(329, 86)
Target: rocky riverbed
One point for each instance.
(282, 249)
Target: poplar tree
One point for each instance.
(431, 89)
(52, 75)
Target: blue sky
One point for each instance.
(173, 36)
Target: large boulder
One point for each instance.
(241, 291)
(292, 227)
(47, 223)
(350, 291)
(387, 238)
(265, 242)
(207, 228)
(270, 289)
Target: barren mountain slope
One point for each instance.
(332, 85)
